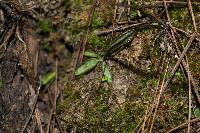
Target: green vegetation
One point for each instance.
(44, 26)
(98, 113)
(181, 18)
(48, 77)
(97, 21)
(96, 41)
(87, 66)
(92, 105)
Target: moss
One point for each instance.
(46, 46)
(97, 21)
(96, 41)
(180, 18)
(79, 2)
(71, 97)
(179, 75)
(44, 26)
(98, 114)
(194, 64)
(126, 119)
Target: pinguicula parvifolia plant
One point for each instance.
(116, 45)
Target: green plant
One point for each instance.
(48, 77)
(116, 45)
(91, 63)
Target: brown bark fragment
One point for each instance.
(17, 73)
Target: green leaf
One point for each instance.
(107, 77)
(87, 66)
(91, 54)
(48, 77)
(120, 42)
(197, 112)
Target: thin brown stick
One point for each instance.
(36, 62)
(143, 125)
(129, 10)
(49, 120)
(59, 124)
(176, 2)
(123, 28)
(192, 15)
(166, 10)
(147, 115)
(54, 101)
(185, 33)
(114, 19)
(189, 97)
(183, 125)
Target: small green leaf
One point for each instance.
(87, 66)
(91, 54)
(48, 77)
(197, 112)
(107, 77)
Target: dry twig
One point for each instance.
(54, 101)
(183, 125)
(189, 97)
(192, 15)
